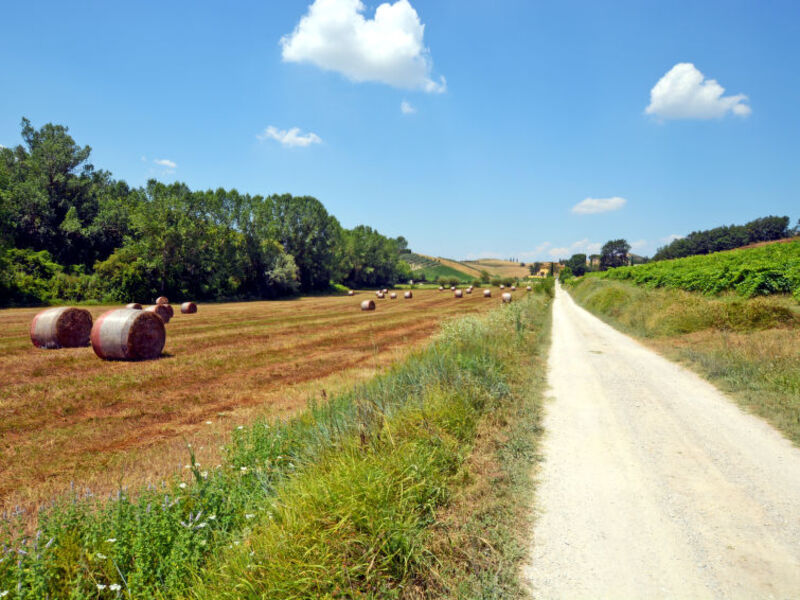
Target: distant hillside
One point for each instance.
(435, 267)
(499, 268)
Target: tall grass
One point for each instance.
(335, 502)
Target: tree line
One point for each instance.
(71, 232)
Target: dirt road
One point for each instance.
(654, 484)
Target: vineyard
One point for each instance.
(765, 270)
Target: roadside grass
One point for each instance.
(747, 347)
(354, 497)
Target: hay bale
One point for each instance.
(134, 305)
(368, 305)
(469, 290)
(393, 296)
(453, 288)
(188, 308)
(502, 287)
(528, 289)
(162, 300)
(384, 291)
(513, 288)
(62, 327)
(487, 293)
(441, 288)
(164, 311)
(129, 334)
(381, 295)
(408, 295)
(351, 293)
(506, 297)
(458, 294)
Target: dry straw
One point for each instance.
(128, 334)
(62, 327)
(368, 305)
(506, 297)
(164, 311)
(458, 294)
(188, 308)
(487, 293)
(408, 295)
(393, 295)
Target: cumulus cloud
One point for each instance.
(291, 138)
(584, 246)
(406, 108)
(639, 245)
(671, 238)
(165, 162)
(591, 206)
(336, 36)
(685, 93)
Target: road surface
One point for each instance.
(654, 484)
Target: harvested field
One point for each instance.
(68, 416)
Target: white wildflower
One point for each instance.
(101, 556)
(111, 540)
(204, 474)
(212, 517)
(203, 524)
(243, 469)
(101, 586)
(115, 587)
(208, 422)
(182, 485)
(249, 516)
(4, 593)
(240, 427)
(187, 466)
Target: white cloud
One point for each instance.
(684, 93)
(165, 162)
(291, 138)
(334, 35)
(406, 108)
(591, 206)
(671, 238)
(639, 245)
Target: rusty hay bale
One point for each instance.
(188, 308)
(458, 294)
(351, 293)
(62, 327)
(408, 295)
(487, 293)
(162, 300)
(164, 311)
(129, 334)
(134, 305)
(393, 295)
(506, 297)
(368, 305)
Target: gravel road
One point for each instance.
(654, 484)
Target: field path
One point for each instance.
(654, 484)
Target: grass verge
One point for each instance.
(747, 347)
(356, 497)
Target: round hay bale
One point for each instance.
(188, 308)
(441, 288)
(62, 327)
(384, 291)
(453, 288)
(381, 295)
(164, 311)
(351, 293)
(368, 305)
(506, 297)
(162, 300)
(502, 287)
(469, 290)
(134, 305)
(458, 294)
(487, 293)
(393, 296)
(408, 295)
(513, 288)
(129, 334)
(528, 289)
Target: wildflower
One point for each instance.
(208, 422)
(101, 556)
(249, 516)
(187, 466)
(182, 485)
(204, 474)
(101, 586)
(240, 427)
(243, 469)
(115, 587)
(111, 540)
(203, 524)
(212, 517)
(4, 593)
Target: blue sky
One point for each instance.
(542, 106)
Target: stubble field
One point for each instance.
(67, 416)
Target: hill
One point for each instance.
(434, 267)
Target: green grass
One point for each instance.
(761, 271)
(349, 499)
(747, 347)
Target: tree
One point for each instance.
(534, 268)
(577, 264)
(614, 254)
